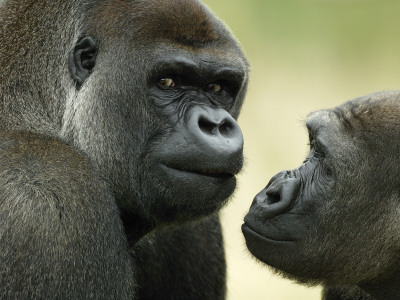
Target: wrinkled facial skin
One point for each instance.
(161, 120)
(202, 149)
(320, 223)
(282, 215)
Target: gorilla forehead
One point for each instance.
(365, 110)
(369, 123)
(372, 120)
(184, 21)
(210, 61)
(376, 114)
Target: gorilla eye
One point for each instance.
(166, 82)
(214, 87)
(317, 150)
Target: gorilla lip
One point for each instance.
(208, 173)
(248, 231)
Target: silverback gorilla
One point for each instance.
(116, 119)
(335, 219)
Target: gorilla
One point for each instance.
(118, 146)
(335, 220)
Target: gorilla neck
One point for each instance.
(135, 226)
(386, 289)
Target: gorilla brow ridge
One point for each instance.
(340, 114)
(350, 112)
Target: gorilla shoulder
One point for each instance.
(45, 198)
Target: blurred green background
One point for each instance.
(305, 55)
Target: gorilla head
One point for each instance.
(158, 89)
(336, 218)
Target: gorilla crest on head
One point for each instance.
(150, 20)
(335, 219)
(145, 96)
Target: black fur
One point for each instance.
(60, 234)
(335, 219)
(198, 246)
(345, 293)
(117, 120)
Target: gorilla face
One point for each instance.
(192, 159)
(335, 219)
(201, 149)
(157, 110)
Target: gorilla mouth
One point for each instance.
(249, 232)
(208, 173)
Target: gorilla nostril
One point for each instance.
(216, 132)
(207, 126)
(223, 127)
(272, 197)
(226, 128)
(278, 197)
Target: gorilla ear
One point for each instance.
(82, 59)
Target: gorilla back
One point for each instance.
(145, 94)
(336, 219)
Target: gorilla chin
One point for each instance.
(264, 248)
(190, 194)
(200, 184)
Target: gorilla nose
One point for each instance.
(278, 196)
(217, 130)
